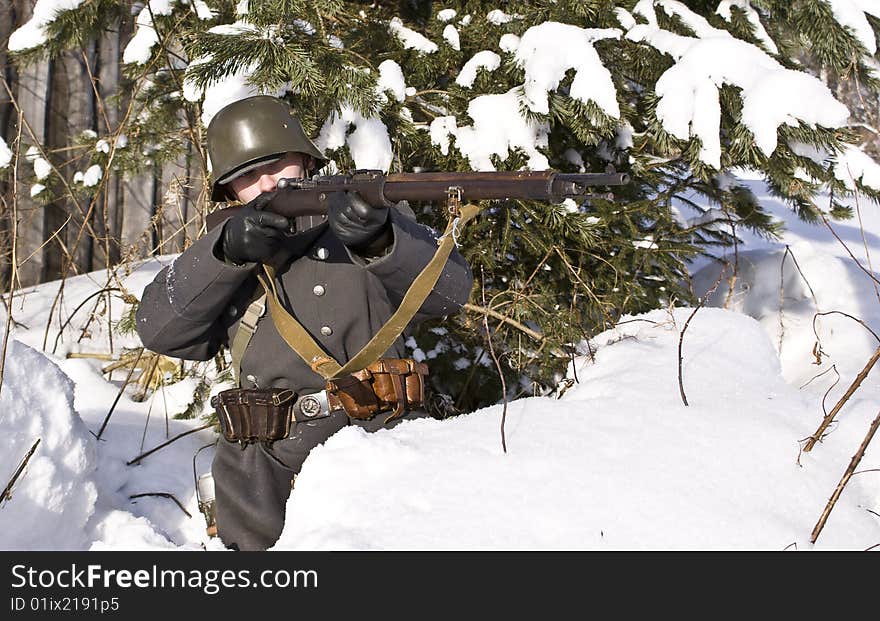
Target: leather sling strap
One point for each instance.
(320, 361)
(246, 328)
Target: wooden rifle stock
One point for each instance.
(299, 197)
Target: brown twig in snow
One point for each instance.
(845, 479)
(836, 312)
(119, 394)
(164, 444)
(75, 311)
(700, 304)
(13, 274)
(497, 363)
(7, 491)
(811, 442)
(163, 495)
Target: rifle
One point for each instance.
(301, 197)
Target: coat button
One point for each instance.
(326, 330)
(322, 253)
(318, 290)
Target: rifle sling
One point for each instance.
(320, 361)
(246, 328)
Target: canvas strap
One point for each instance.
(246, 328)
(323, 363)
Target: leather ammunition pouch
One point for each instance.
(389, 384)
(254, 415)
(265, 415)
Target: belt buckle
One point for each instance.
(311, 407)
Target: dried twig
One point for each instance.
(119, 394)
(862, 230)
(164, 444)
(7, 491)
(787, 253)
(849, 252)
(484, 310)
(700, 304)
(76, 310)
(163, 495)
(497, 363)
(811, 442)
(13, 276)
(836, 312)
(845, 479)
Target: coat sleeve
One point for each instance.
(181, 311)
(413, 247)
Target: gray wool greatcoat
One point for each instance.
(193, 307)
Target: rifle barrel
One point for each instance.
(525, 185)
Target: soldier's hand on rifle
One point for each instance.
(254, 234)
(357, 224)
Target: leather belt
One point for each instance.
(264, 415)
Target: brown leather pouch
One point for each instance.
(388, 385)
(254, 415)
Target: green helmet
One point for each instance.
(252, 132)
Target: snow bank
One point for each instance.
(55, 495)
(618, 463)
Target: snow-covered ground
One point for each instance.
(618, 462)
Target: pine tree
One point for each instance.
(677, 95)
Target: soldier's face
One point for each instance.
(265, 178)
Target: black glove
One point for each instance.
(254, 234)
(357, 224)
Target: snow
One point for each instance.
(724, 10)
(42, 168)
(446, 15)
(508, 43)
(59, 488)
(391, 79)
(851, 15)
(203, 11)
(498, 17)
(486, 59)
(367, 138)
(498, 128)
(33, 32)
(74, 492)
(92, 176)
(440, 130)
(411, 39)
(5, 154)
(550, 49)
(772, 95)
(37, 189)
(855, 165)
(139, 49)
(450, 35)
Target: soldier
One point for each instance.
(341, 276)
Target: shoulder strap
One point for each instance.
(320, 361)
(246, 328)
